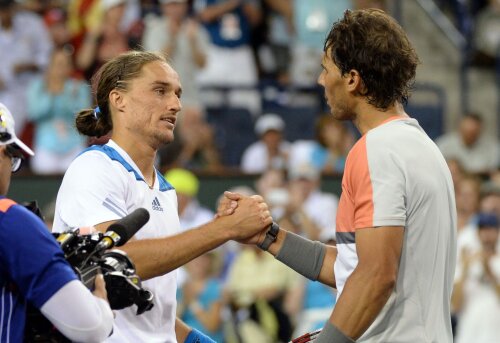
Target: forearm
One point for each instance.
(326, 274)
(181, 330)
(284, 7)
(253, 14)
(155, 257)
(86, 56)
(364, 295)
(199, 56)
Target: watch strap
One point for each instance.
(271, 236)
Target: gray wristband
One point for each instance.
(302, 255)
(330, 334)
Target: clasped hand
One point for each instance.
(248, 217)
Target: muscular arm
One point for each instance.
(154, 257)
(158, 256)
(372, 281)
(181, 330)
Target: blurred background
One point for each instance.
(254, 120)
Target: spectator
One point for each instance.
(53, 101)
(476, 151)
(490, 198)
(200, 298)
(476, 293)
(487, 34)
(457, 171)
(25, 45)
(105, 40)
(310, 211)
(191, 213)
(197, 143)
(329, 151)
(312, 22)
(55, 20)
(281, 32)
(194, 145)
(87, 16)
(270, 151)
(258, 302)
(185, 43)
(230, 59)
(33, 268)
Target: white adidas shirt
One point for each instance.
(104, 184)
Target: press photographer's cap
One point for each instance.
(7, 132)
(267, 122)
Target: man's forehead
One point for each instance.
(326, 57)
(161, 72)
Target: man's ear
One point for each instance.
(116, 99)
(355, 83)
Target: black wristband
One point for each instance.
(271, 236)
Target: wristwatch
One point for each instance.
(271, 237)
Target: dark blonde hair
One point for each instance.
(375, 45)
(114, 74)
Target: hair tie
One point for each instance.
(97, 112)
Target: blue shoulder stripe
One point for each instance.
(164, 184)
(115, 156)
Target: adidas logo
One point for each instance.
(156, 205)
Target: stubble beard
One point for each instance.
(342, 112)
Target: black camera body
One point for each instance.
(122, 284)
(89, 255)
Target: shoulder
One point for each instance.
(89, 162)
(17, 221)
(15, 213)
(93, 167)
(6, 204)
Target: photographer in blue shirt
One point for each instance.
(33, 268)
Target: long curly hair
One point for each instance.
(374, 44)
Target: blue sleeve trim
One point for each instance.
(196, 336)
(164, 184)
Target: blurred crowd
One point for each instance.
(248, 70)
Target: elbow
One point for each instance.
(386, 282)
(383, 280)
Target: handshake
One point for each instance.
(245, 219)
